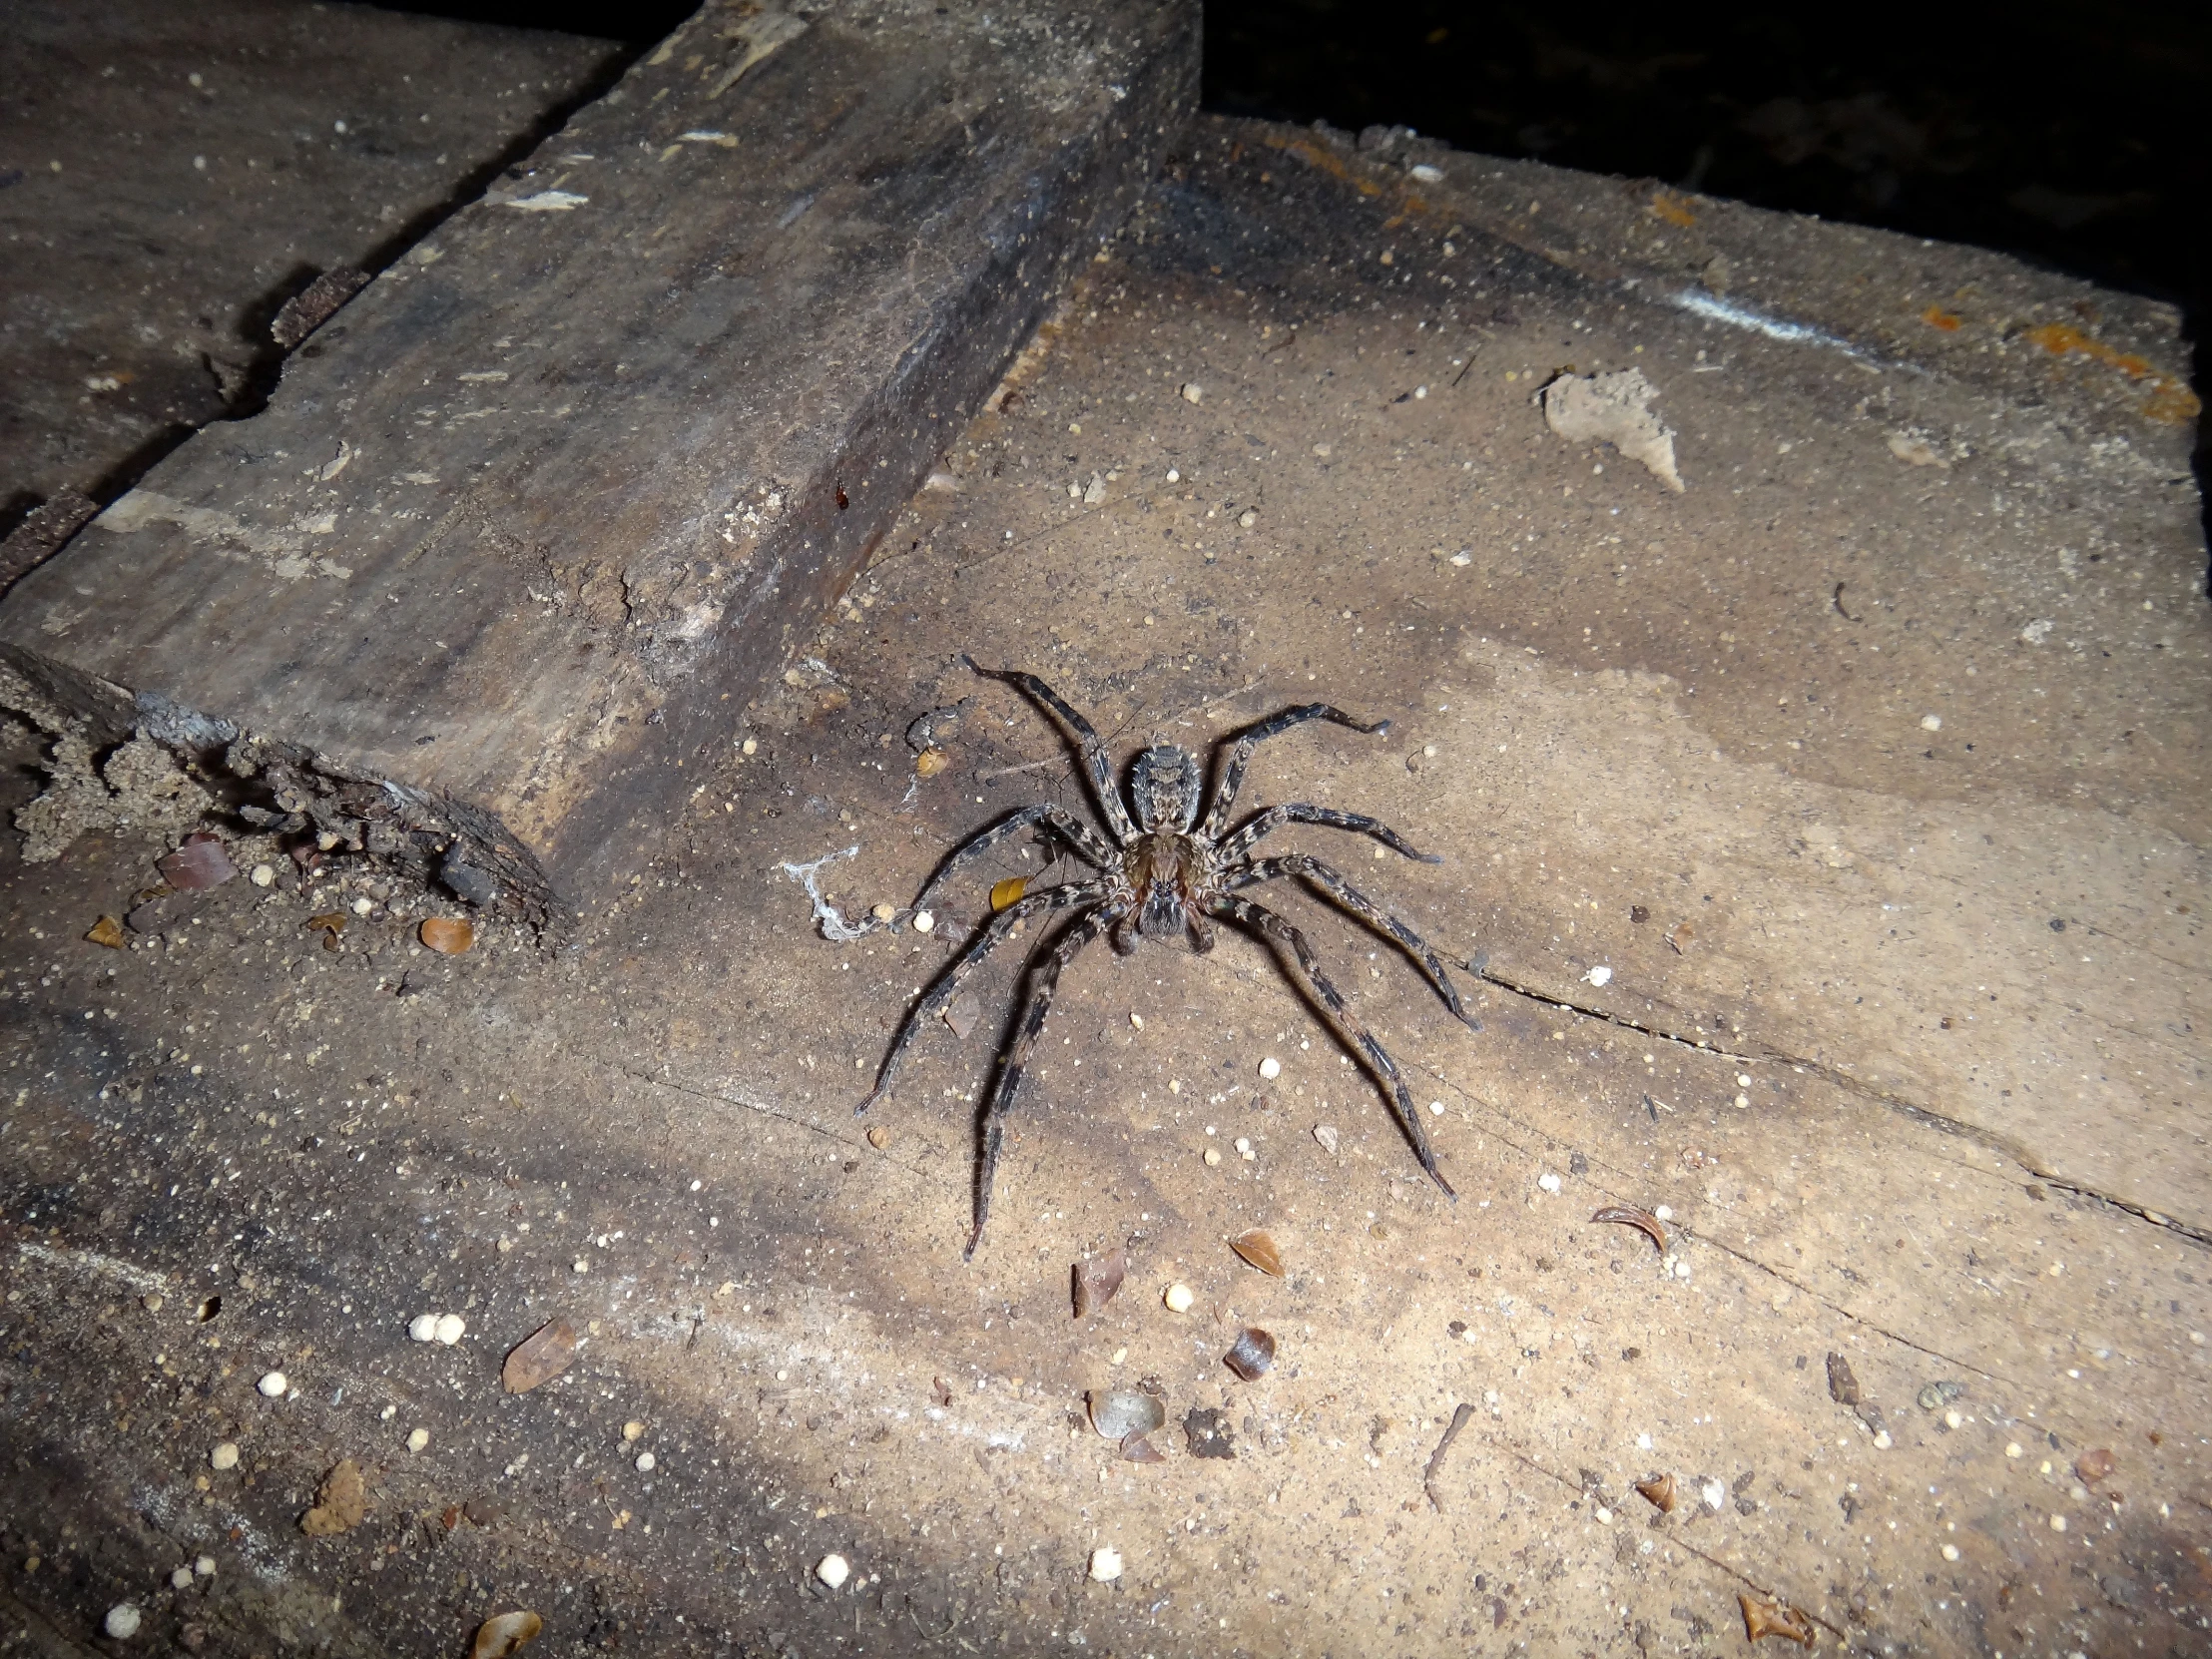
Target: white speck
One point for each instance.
(2057, 1268)
(834, 1570)
(1604, 1516)
(102, 382)
(1191, 392)
(2197, 1336)
(263, 875)
(924, 921)
(181, 1579)
(1179, 1298)
(1326, 1135)
(423, 1328)
(645, 1460)
(1599, 975)
(1951, 1552)
(1681, 1269)
(1244, 1146)
(274, 1384)
(1932, 723)
(1643, 1442)
(1248, 519)
(1741, 1102)
(751, 746)
(1883, 1442)
(1426, 174)
(2013, 1449)
(1664, 1211)
(546, 201)
(1714, 1493)
(1137, 1020)
(417, 1439)
(1420, 392)
(1743, 1080)
(1105, 1565)
(1271, 1068)
(1436, 1108)
(2037, 631)
(1213, 1157)
(582, 1264)
(451, 1327)
(337, 126)
(1174, 478)
(633, 1429)
(204, 1567)
(224, 1455)
(121, 1621)
(1548, 1181)
(2058, 1523)
(1120, 1353)
(1951, 1419)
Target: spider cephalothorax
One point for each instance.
(1165, 875)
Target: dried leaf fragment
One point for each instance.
(1259, 1250)
(1252, 1356)
(331, 922)
(1658, 1492)
(1680, 935)
(2093, 1466)
(1627, 1215)
(506, 1633)
(1007, 893)
(340, 1504)
(447, 936)
(1095, 1279)
(108, 932)
(540, 1357)
(1772, 1619)
(1135, 1449)
(1843, 1385)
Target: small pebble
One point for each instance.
(417, 1439)
(150, 1302)
(1326, 1135)
(1548, 1181)
(1191, 392)
(582, 1264)
(1951, 1419)
(879, 1137)
(1742, 1081)
(633, 1431)
(1951, 1552)
(645, 1460)
(1436, 1108)
(834, 1570)
(1664, 1211)
(1174, 478)
(1244, 1146)
(1932, 723)
(1600, 975)
(121, 1621)
(224, 1455)
(2013, 1449)
(2058, 1523)
(423, 1328)
(1213, 1157)
(1105, 1565)
(449, 1329)
(751, 746)
(1714, 1493)
(204, 1567)
(1180, 1298)
(361, 906)
(274, 1384)
(1883, 1442)
(1271, 1068)
(181, 1579)
(1248, 519)
(884, 913)
(1742, 1101)
(924, 922)
(263, 875)
(1604, 1516)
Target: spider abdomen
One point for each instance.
(1165, 871)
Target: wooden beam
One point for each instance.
(530, 521)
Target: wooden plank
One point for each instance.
(529, 522)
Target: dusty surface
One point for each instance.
(1889, 1004)
(169, 177)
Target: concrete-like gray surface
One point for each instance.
(1648, 733)
(170, 175)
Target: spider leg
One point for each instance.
(1045, 979)
(1095, 762)
(1232, 777)
(939, 995)
(1087, 843)
(1263, 824)
(1332, 883)
(1275, 929)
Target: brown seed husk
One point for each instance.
(2093, 1466)
(447, 936)
(200, 862)
(879, 1137)
(1135, 1449)
(1119, 1415)
(1252, 1356)
(503, 1634)
(1659, 1492)
(1843, 1385)
(108, 932)
(341, 1503)
(1095, 1279)
(1627, 1215)
(1259, 1250)
(540, 1357)
(930, 761)
(1771, 1618)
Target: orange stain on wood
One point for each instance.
(2170, 402)
(1671, 207)
(1936, 318)
(1313, 155)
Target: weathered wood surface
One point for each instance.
(532, 519)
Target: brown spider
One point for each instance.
(1162, 879)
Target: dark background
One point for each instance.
(2069, 135)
